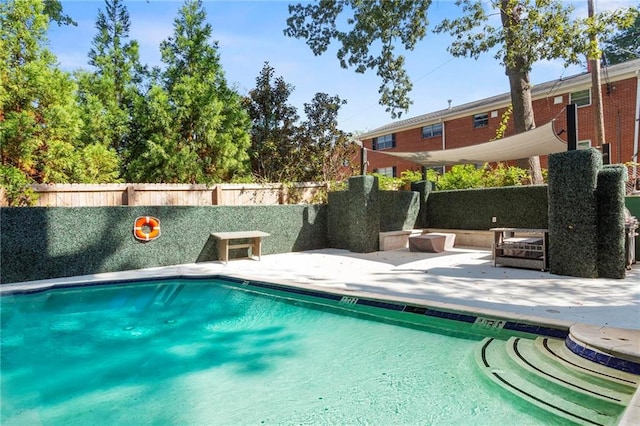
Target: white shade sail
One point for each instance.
(542, 140)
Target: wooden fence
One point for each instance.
(151, 194)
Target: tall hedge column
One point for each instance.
(354, 216)
(610, 195)
(424, 187)
(573, 213)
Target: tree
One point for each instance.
(530, 31)
(39, 119)
(41, 122)
(203, 133)
(158, 154)
(624, 45)
(53, 8)
(328, 151)
(106, 95)
(374, 25)
(274, 130)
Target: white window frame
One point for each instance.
(581, 99)
(480, 120)
(388, 142)
(386, 171)
(584, 144)
(430, 130)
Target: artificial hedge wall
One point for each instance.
(399, 210)
(633, 204)
(354, 216)
(513, 206)
(573, 214)
(41, 242)
(610, 197)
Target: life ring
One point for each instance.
(146, 228)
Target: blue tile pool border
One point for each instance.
(602, 358)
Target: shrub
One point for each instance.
(16, 186)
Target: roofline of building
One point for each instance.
(541, 91)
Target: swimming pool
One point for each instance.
(225, 351)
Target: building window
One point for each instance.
(581, 98)
(386, 171)
(432, 131)
(384, 142)
(481, 120)
(439, 169)
(586, 144)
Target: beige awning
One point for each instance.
(539, 141)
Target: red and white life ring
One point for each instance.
(146, 228)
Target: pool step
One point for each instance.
(556, 350)
(519, 366)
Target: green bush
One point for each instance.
(17, 187)
(468, 176)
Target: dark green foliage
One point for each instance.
(354, 216)
(273, 134)
(338, 219)
(515, 206)
(573, 215)
(283, 149)
(633, 204)
(39, 243)
(611, 235)
(424, 188)
(398, 210)
(623, 45)
(383, 25)
(107, 94)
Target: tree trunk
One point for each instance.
(517, 69)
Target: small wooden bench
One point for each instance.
(224, 237)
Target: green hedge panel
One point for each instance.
(573, 216)
(611, 234)
(338, 220)
(364, 214)
(633, 204)
(514, 206)
(398, 210)
(41, 242)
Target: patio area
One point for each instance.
(461, 277)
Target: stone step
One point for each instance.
(494, 361)
(546, 372)
(557, 350)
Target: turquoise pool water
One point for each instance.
(208, 353)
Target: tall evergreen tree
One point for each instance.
(39, 119)
(207, 136)
(274, 130)
(107, 93)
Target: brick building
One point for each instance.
(476, 122)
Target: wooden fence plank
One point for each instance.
(146, 194)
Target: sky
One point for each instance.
(250, 33)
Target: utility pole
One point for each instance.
(598, 115)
